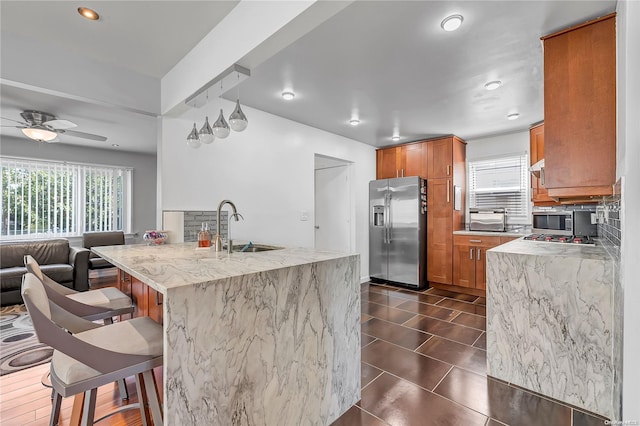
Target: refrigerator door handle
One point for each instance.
(387, 224)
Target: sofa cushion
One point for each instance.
(61, 274)
(11, 278)
(45, 252)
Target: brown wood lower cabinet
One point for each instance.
(469, 259)
(148, 301)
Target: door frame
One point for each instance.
(323, 162)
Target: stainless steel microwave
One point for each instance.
(565, 222)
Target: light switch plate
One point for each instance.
(304, 215)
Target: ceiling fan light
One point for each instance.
(40, 135)
(206, 133)
(220, 127)
(192, 139)
(237, 120)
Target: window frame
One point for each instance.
(525, 185)
(79, 173)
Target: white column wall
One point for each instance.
(628, 161)
(267, 171)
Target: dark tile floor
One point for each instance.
(424, 363)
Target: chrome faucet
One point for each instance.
(217, 241)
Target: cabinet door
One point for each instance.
(155, 305)
(386, 162)
(440, 158)
(481, 267)
(439, 231)
(464, 265)
(140, 297)
(414, 160)
(539, 194)
(580, 110)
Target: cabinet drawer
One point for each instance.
(476, 240)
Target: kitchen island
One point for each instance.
(265, 338)
(550, 323)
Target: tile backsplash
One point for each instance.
(193, 223)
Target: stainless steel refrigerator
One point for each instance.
(398, 231)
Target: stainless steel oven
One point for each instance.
(565, 222)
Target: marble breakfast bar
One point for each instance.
(265, 338)
(551, 326)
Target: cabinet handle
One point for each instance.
(158, 301)
(470, 254)
(396, 172)
(479, 254)
(475, 241)
(448, 168)
(448, 197)
(402, 172)
(542, 176)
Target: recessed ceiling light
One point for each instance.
(88, 13)
(354, 121)
(115, 145)
(395, 138)
(288, 95)
(493, 85)
(513, 116)
(452, 22)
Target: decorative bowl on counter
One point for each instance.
(155, 237)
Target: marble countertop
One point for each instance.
(183, 264)
(542, 248)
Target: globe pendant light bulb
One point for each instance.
(192, 138)
(206, 133)
(237, 120)
(220, 127)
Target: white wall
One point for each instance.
(267, 171)
(144, 171)
(500, 145)
(628, 161)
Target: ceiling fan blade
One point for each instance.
(60, 124)
(83, 135)
(15, 121)
(13, 125)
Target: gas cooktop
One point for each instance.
(566, 239)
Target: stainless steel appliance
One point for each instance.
(487, 219)
(398, 231)
(565, 222)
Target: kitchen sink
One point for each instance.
(254, 248)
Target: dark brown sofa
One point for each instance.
(60, 262)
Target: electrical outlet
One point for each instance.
(304, 215)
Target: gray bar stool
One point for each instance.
(99, 355)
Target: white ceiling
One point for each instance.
(389, 61)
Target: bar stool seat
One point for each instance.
(108, 297)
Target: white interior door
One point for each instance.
(332, 212)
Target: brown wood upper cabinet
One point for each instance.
(402, 161)
(580, 110)
(539, 194)
(440, 157)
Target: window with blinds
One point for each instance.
(47, 198)
(501, 182)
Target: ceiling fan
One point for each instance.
(45, 127)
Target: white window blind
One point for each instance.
(501, 182)
(47, 198)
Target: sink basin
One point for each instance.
(254, 248)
